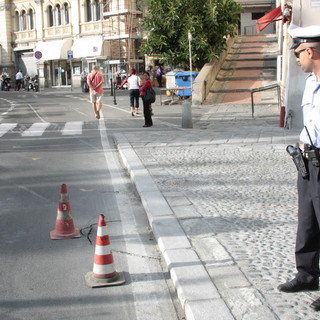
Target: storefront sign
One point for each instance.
(91, 60)
(70, 54)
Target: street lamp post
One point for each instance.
(190, 58)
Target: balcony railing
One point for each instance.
(27, 35)
(57, 32)
(107, 28)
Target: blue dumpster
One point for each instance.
(183, 80)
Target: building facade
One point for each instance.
(304, 14)
(58, 39)
(252, 11)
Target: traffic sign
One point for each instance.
(38, 55)
(70, 54)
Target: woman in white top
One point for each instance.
(134, 83)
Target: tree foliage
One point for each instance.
(209, 21)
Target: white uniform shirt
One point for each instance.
(133, 82)
(311, 111)
(19, 75)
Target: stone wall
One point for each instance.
(207, 76)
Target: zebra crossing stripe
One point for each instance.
(5, 127)
(36, 130)
(72, 128)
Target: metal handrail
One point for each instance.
(272, 86)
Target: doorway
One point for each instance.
(61, 73)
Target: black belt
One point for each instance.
(311, 155)
(308, 147)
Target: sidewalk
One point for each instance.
(221, 200)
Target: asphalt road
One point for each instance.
(47, 140)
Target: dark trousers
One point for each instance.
(147, 113)
(134, 97)
(18, 84)
(308, 234)
(84, 86)
(159, 79)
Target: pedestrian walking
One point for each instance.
(134, 83)
(3, 76)
(147, 85)
(306, 46)
(159, 73)
(95, 81)
(19, 77)
(84, 84)
(151, 72)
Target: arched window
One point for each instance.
(50, 16)
(97, 10)
(66, 13)
(93, 10)
(58, 15)
(23, 20)
(88, 9)
(30, 20)
(17, 17)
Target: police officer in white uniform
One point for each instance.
(306, 46)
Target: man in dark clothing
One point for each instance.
(306, 46)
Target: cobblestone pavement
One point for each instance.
(233, 188)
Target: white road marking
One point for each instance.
(37, 114)
(5, 127)
(36, 130)
(72, 128)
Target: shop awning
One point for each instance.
(90, 47)
(272, 16)
(54, 50)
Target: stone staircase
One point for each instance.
(251, 64)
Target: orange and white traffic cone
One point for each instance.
(103, 273)
(64, 223)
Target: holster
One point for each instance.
(298, 160)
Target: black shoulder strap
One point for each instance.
(93, 76)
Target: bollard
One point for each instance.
(114, 95)
(186, 115)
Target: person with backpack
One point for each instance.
(147, 85)
(134, 83)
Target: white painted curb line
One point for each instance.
(198, 295)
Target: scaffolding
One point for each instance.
(121, 22)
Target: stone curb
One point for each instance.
(198, 295)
